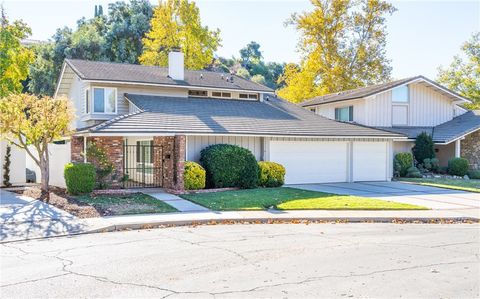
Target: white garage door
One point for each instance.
(311, 161)
(370, 161)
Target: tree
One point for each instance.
(14, 58)
(250, 54)
(463, 76)
(424, 148)
(176, 24)
(342, 45)
(259, 79)
(32, 122)
(6, 167)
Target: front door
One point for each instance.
(143, 165)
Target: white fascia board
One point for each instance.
(59, 80)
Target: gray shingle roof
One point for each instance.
(121, 72)
(371, 90)
(457, 127)
(274, 117)
(446, 132)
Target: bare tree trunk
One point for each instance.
(45, 173)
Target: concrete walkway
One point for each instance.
(178, 203)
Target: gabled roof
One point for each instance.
(375, 89)
(274, 117)
(444, 133)
(458, 127)
(154, 75)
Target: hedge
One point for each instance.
(413, 172)
(193, 176)
(79, 177)
(458, 166)
(271, 174)
(229, 166)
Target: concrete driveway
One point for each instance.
(430, 197)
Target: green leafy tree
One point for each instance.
(32, 123)
(259, 79)
(14, 58)
(176, 24)
(250, 55)
(463, 74)
(424, 148)
(343, 47)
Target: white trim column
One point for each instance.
(457, 148)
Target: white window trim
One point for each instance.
(92, 99)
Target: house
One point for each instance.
(17, 163)
(151, 119)
(409, 107)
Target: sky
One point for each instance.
(422, 35)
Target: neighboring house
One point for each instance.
(151, 119)
(17, 163)
(409, 106)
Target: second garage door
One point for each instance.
(311, 161)
(370, 161)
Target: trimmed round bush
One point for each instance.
(79, 177)
(193, 176)
(458, 166)
(413, 172)
(271, 174)
(403, 161)
(474, 174)
(229, 166)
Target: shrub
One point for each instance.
(431, 164)
(229, 166)
(6, 167)
(458, 166)
(402, 162)
(271, 174)
(413, 172)
(103, 166)
(474, 174)
(79, 177)
(194, 176)
(423, 148)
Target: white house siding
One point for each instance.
(196, 143)
(59, 155)
(402, 147)
(428, 107)
(17, 163)
(378, 110)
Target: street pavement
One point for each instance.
(250, 261)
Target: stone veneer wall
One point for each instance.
(470, 149)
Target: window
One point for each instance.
(344, 114)
(399, 115)
(400, 94)
(87, 101)
(104, 100)
(248, 96)
(315, 110)
(198, 93)
(221, 94)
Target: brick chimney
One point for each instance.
(176, 69)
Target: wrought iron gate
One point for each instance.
(142, 165)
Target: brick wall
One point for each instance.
(171, 161)
(470, 149)
(76, 147)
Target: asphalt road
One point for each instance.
(255, 261)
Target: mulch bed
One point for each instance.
(60, 199)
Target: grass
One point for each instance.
(290, 199)
(137, 203)
(456, 184)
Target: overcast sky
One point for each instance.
(421, 35)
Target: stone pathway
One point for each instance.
(178, 203)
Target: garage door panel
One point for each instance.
(370, 161)
(311, 161)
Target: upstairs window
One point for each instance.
(400, 94)
(104, 100)
(344, 113)
(198, 93)
(218, 94)
(252, 96)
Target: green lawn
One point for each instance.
(137, 203)
(290, 199)
(456, 184)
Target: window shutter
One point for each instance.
(337, 114)
(350, 113)
(138, 151)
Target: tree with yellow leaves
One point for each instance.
(342, 45)
(176, 25)
(32, 122)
